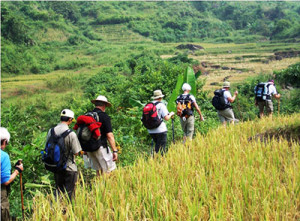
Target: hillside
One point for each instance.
(39, 37)
(246, 172)
(58, 55)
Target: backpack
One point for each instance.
(54, 156)
(150, 117)
(261, 91)
(85, 136)
(184, 106)
(218, 100)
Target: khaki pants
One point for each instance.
(4, 204)
(268, 104)
(188, 126)
(227, 115)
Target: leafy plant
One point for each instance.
(187, 77)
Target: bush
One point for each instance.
(289, 76)
(62, 84)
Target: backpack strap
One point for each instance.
(66, 133)
(156, 103)
(52, 132)
(63, 135)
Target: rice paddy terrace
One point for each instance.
(231, 173)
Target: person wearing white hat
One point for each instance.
(65, 180)
(185, 109)
(227, 114)
(6, 176)
(159, 134)
(103, 160)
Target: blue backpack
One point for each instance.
(54, 156)
(261, 92)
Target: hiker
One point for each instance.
(185, 110)
(66, 176)
(263, 97)
(153, 115)
(6, 176)
(222, 102)
(102, 159)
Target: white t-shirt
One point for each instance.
(227, 94)
(162, 112)
(272, 90)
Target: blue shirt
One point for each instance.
(5, 167)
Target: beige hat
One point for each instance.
(157, 94)
(226, 84)
(102, 99)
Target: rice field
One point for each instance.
(224, 175)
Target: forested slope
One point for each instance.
(38, 37)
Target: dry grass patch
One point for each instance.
(218, 176)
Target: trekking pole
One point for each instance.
(22, 199)
(21, 188)
(279, 106)
(239, 107)
(152, 152)
(173, 130)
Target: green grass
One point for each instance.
(218, 176)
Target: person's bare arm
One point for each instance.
(168, 117)
(232, 99)
(112, 143)
(14, 175)
(198, 110)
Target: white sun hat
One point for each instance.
(186, 87)
(102, 99)
(4, 134)
(67, 113)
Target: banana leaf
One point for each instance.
(189, 77)
(135, 103)
(176, 92)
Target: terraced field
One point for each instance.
(237, 62)
(234, 62)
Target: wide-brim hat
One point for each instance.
(226, 84)
(157, 94)
(102, 99)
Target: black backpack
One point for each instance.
(54, 156)
(87, 141)
(261, 91)
(218, 100)
(184, 106)
(150, 117)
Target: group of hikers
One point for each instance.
(94, 132)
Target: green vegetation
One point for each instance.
(58, 55)
(54, 30)
(145, 74)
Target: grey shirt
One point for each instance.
(71, 143)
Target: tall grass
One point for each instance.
(221, 175)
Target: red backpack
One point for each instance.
(150, 117)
